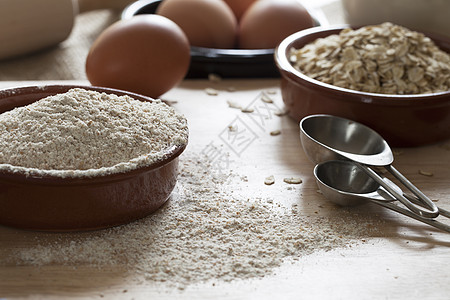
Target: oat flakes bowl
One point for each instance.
(85, 198)
(403, 120)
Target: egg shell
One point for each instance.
(207, 23)
(147, 54)
(267, 22)
(239, 6)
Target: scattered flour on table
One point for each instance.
(203, 233)
(83, 132)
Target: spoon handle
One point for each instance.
(418, 210)
(434, 211)
(442, 212)
(408, 213)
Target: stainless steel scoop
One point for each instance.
(326, 137)
(345, 183)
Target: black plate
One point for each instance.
(227, 63)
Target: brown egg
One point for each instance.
(267, 22)
(239, 6)
(207, 23)
(147, 54)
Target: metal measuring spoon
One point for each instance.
(345, 183)
(326, 137)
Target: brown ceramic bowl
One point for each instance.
(403, 120)
(54, 203)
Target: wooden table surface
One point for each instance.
(401, 259)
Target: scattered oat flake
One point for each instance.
(212, 92)
(269, 180)
(169, 102)
(271, 92)
(425, 173)
(232, 128)
(233, 104)
(247, 110)
(275, 132)
(266, 98)
(214, 78)
(281, 113)
(293, 180)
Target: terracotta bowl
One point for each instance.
(403, 120)
(52, 203)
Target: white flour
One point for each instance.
(203, 233)
(86, 133)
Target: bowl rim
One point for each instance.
(288, 71)
(33, 175)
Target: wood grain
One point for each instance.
(401, 259)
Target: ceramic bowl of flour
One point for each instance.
(84, 182)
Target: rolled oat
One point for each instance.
(386, 59)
